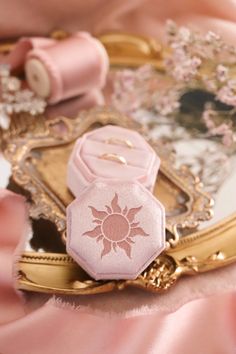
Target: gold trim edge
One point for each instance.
(207, 250)
(190, 256)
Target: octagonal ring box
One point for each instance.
(111, 152)
(115, 229)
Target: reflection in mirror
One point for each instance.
(208, 156)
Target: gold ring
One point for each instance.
(114, 157)
(117, 141)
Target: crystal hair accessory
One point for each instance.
(60, 69)
(111, 152)
(15, 99)
(115, 229)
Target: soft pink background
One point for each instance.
(32, 17)
(132, 322)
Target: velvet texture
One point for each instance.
(132, 322)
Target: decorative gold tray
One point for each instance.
(39, 153)
(38, 149)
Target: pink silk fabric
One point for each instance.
(185, 320)
(21, 18)
(70, 75)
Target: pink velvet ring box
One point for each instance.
(115, 229)
(111, 152)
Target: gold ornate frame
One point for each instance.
(55, 272)
(200, 252)
(27, 136)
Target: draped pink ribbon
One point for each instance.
(75, 65)
(16, 58)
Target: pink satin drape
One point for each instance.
(205, 326)
(97, 16)
(191, 325)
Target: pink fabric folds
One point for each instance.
(12, 218)
(12, 229)
(21, 18)
(205, 326)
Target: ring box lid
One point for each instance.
(115, 229)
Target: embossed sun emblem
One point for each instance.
(116, 227)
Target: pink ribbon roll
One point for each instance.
(58, 70)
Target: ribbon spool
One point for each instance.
(67, 68)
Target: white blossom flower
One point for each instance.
(222, 73)
(212, 37)
(4, 120)
(227, 95)
(14, 99)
